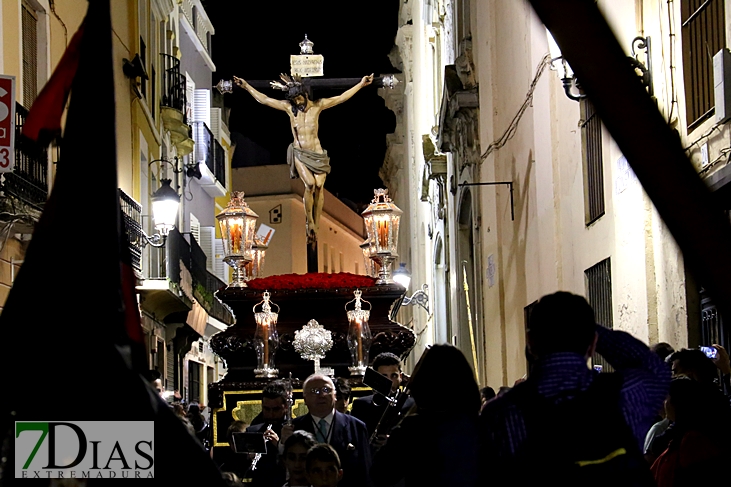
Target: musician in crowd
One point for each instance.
(370, 409)
(230, 460)
(436, 442)
(267, 471)
(346, 434)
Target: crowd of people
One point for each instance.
(660, 418)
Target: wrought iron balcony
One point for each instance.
(206, 284)
(210, 151)
(132, 216)
(166, 262)
(173, 85)
(173, 105)
(29, 180)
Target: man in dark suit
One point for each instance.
(346, 434)
(269, 472)
(369, 409)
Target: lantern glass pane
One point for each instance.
(235, 235)
(395, 221)
(250, 232)
(359, 337)
(266, 339)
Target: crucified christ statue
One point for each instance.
(306, 157)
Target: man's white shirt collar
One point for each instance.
(328, 419)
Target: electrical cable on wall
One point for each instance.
(513, 127)
(710, 131)
(671, 36)
(52, 6)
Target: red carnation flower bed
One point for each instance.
(312, 280)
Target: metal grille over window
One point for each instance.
(713, 327)
(599, 294)
(703, 35)
(591, 130)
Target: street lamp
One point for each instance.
(237, 223)
(421, 297)
(571, 85)
(402, 275)
(165, 203)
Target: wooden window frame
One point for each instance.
(703, 35)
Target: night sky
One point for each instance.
(254, 40)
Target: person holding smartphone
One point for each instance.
(723, 363)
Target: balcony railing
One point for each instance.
(206, 284)
(132, 216)
(173, 85)
(29, 179)
(176, 252)
(210, 151)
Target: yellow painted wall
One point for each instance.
(11, 40)
(124, 45)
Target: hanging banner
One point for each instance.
(7, 123)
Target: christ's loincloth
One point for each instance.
(316, 162)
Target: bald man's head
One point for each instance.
(319, 393)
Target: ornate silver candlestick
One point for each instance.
(359, 334)
(266, 338)
(312, 342)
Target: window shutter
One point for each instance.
(703, 35)
(170, 362)
(220, 268)
(195, 228)
(208, 235)
(202, 106)
(30, 55)
(216, 123)
(190, 97)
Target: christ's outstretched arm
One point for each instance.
(346, 95)
(260, 97)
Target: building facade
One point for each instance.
(517, 190)
(169, 126)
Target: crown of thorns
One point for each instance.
(288, 82)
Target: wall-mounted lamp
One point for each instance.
(403, 276)
(192, 170)
(165, 202)
(640, 43)
(134, 68)
(571, 85)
